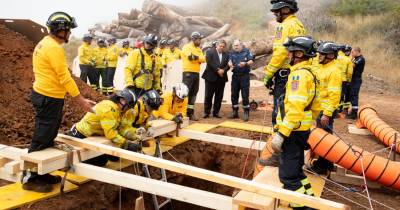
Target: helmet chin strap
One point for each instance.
(61, 37)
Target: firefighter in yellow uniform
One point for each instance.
(159, 51)
(125, 50)
(100, 54)
(85, 56)
(112, 60)
(105, 121)
(278, 69)
(192, 57)
(135, 121)
(172, 53)
(174, 104)
(296, 115)
(52, 82)
(330, 76)
(346, 64)
(142, 70)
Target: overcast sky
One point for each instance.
(86, 12)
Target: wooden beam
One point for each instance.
(3, 161)
(224, 179)
(165, 189)
(161, 127)
(11, 152)
(220, 139)
(12, 167)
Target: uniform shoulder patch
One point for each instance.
(295, 85)
(278, 34)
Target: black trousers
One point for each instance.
(48, 116)
(354, 93)
(102, 74)
(292, 160)
(97, 161)
(216, 90)
(192, 81)
(94, 76)
(280, 80)
(321, 162)
(109, 76)
(240, 84)
(84, 72)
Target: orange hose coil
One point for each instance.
(353, 158)
(369, 118)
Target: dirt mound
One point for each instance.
(16, 76)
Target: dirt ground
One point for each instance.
(16, 128)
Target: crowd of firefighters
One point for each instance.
(311, 82)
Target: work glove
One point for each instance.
(268, 82)
(178, 118)
(192, 57)
(134, 147)
(164, 66)
(159, 91)
(277, 142)
(141, 131)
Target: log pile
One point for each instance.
(172, 22)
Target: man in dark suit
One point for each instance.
(215, 78)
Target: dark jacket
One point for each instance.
(359, 63)
(210, 73)
(243, 56)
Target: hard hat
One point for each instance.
(180, 90)
(279, 4)
(60, 21)
(301, 43)
(152, 99)
(87, 37)
(196, 35)
(328, 47)
(112, 40)
(129, 97)
(151, 39)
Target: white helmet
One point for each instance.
(180, 90)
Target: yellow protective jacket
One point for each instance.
(346, 66)
(159, 52)
(103, 122)
(290, 27)
(125, 51)
(100, 54)
(50, 68)
(85, 54)
(301, 103)
(330, 77)
(147, 78)
(133, 119)
(170, 108)
(112, 55)
(169, 56)
(192, 66)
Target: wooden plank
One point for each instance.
(176, 140)
(220, 139)
(11, 152)
(161, 127)
(4, 175)
(12, 167)
(139, 203)
(3, 161)
(224, 179)
(13, 196)
(157, 187)
(269, 175)
(246, 127)
(359, 131)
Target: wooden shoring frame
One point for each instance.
(204, 174)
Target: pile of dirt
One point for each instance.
(16, 76)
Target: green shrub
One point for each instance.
(363, 7)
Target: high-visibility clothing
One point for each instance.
(194, 65)
(50, 68)
(290, 27)
(133, 119)
(346, 66)
(85, 54)
(112, 55)
(159, 52)
(170, 107)
(302, 102)
(146, 78)
(330, 77)
(103, 122)
(125, 51)
(169, 55)
(100, 54)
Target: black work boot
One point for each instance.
(271, 161)
(190, 114)
(235, 114)
(31, 181)
(50, 179)
(246, 115)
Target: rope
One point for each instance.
(344, 197)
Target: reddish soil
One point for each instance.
(16, 123)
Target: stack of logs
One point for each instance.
(172, 22)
